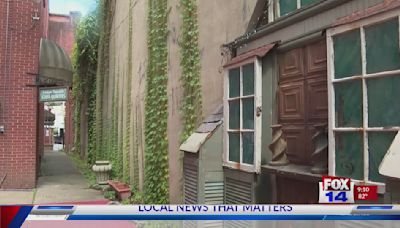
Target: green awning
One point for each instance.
(55, 64)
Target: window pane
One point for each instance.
(307, 2)
(234, 82)
(379, 143)
(234, 114)
(347, 52)
(348, 104)
(248, 147)
(349, 155)
(383, 101)
(382, 46)
(287, 6)
(234, 147)
(248, 113)
(248, 79)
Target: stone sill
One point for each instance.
(299, 172)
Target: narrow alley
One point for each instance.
(59, 182)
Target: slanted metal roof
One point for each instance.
(259, 52)
(54, 63)
(204, 131)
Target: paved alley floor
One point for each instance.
(59, 182)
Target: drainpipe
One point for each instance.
(2, 123)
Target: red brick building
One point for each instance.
(23, 23)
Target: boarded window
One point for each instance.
(379, 143)
(234, 82)
(248, 113)
(234, 147)
(347, 48)
(348, 104)
(248, 148)
(287, 6)
(383, 101)
(248, 79)
(241, 103)
(349, 155)
(307, 2)
(382, 46)
(234, 114)
(367, 106)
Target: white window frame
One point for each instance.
(256, 167)
(364, 76)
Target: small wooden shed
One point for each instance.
(202, 162)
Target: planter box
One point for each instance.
(123, 190)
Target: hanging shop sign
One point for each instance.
(53, 94)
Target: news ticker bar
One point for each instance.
(216, 212)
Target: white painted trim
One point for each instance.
(225, 153)
(256, 167)
(257, 119)
(364, 77)
(365, 104)
(351, 78)
(348, 129)
(271, 12)
(383, 129)
(331, 105)
(237, 166)
(241, 116)
(298, 4)
(278, 9)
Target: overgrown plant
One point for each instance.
(105, 16)
(85, 63)
(190, 63)
(156, 109)
(128, 98)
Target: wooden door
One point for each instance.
(303, 99)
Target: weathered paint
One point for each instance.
(311, 24)
(219, 22)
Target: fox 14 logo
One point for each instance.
(336, 190)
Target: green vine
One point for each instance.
(156, 109)
(102, 73)
(127, 136)
(85, 64)
(190, 64)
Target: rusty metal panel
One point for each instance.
(190, 173)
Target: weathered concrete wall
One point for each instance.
(219, 22)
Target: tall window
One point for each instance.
(364, 96)
(243, 116)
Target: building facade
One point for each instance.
(318, 75)
(25, 24)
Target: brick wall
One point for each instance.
(19, 106)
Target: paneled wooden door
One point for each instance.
(303, 99)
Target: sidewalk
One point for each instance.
(59, 182)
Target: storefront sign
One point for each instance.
(53, 94)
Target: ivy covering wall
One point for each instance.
(156, 108)
(190, 64)
(84, 79)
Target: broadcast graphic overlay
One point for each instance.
(342, 190)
